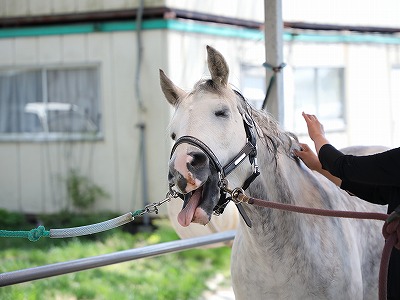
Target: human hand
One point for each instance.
(315, 131)
(309, 158)
(315, 128)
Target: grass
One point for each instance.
(181, 275)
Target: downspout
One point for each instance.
(141, 112)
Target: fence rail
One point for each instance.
(71, 266)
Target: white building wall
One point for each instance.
(187, 56)
(251, 10)
(14, 8)
(368, 90)
(371, 13)
(383, 13)
(36, 171)
(370, 97)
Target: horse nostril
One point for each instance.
(199, 160)
(177, 179)
(181, 183)
(170, 176)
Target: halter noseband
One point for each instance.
(249, 150)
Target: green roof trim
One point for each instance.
(45, 30)
(218, 30)
(342, 38)
(193, 27)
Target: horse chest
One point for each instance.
(263, 273)
(255, 275)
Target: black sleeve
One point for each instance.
(370, 193)
(381, 169)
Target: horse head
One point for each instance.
(208, 130)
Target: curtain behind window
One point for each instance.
(65, 101)
(16, 90)
(80, 88)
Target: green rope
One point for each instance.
(35, 234)
(138, 212)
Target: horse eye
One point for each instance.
(173, 136)
(222, 113)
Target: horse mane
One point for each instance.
(208, 85)
(268, 129)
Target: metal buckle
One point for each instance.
(153, 207)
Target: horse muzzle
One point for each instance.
(188, 171)
(191, 172)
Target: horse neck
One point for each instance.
(282, 179)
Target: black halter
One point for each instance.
(249, 150)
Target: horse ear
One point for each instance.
(173, 93)
(218, 67)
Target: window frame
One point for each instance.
(56, 136)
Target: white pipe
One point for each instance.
(56, 269)
(274, 55)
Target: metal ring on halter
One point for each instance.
(235, 195)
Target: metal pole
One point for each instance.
(274, 55)
(56, 269)
(143, 158)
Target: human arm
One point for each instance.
(371, 193)
(377, 169)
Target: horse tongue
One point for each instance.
(185, 216)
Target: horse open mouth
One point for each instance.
(191, 212)
(198, 205)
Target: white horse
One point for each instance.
(283, 255)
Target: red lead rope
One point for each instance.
(390, 230)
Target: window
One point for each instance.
(49, 103)
(319, 91)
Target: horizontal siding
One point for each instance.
(10, 196)
(37, 172)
